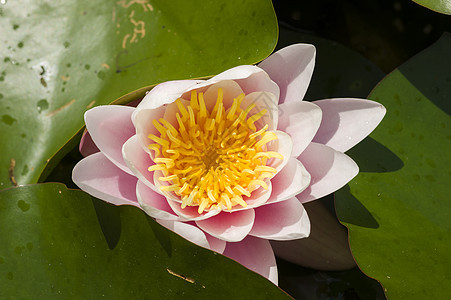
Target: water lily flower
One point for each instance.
(228, 162)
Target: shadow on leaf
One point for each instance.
(110, 221)
(352, 210)
(162, 235)
(371, 156)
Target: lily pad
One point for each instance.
(398, 214)
(441, 6)
(59, 59)
(64, 243)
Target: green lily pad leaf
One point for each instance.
(59, 59)
(441, 6)
(398, 213)
(64, 243)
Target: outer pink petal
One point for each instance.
(138, 161)
(216, 244)
(301, 121)
(230, 227)
(286, 220)
(330, 170)
(291, 68)
(255, 254)
(187, 231)
(87, 145)
(99, 177)
(166, 92)
(347, 121)
(193, 234)
(110, 126)
(154, 204)
(289, 182)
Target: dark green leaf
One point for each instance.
(60, 243)
(57, 59)
(398, 211)
(339, 71)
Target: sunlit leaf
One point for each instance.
(397, 209)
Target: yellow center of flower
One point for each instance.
(216, 157)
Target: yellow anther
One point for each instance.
(169, 126)
(192, 117)
(242, 190)
(182, 109)
(218, 102)
(155, 147)
(193, 102)
(167, 161)
(156, 167)
(203, 108)
(268, 154)
(203, 205)
(260, 132)
(255, 118)
(237, 199)
(162, 142)
(210, 124)
(159, 127)
(168, 178)
(265, 169)
(267, 137)
(256, 182)
(170, 188)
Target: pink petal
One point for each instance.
(142, 120)
(187, 231)
(230, 90)
(347, 121)
(138, 161)
(230, 227)
(87, 145)
(291, 68)
(215, 244)
(154, 204)
(286, 220)
(250, 78)
(110, 126)
(166, 92)
(330, 170)
(289, 182)
(99, 177)
(190, 213)
(255, 254)
(263, 100)
(301, 121)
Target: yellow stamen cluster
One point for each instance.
(213, 158)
